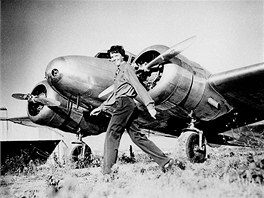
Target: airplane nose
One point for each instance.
(53, 72)
(79, 75)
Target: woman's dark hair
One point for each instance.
(117, 49)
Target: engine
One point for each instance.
(180, 86)
(66, 117)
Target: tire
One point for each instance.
(76, 152)
(188, 147)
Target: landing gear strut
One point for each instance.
(80, 151)
(192, 144)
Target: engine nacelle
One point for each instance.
(39, 113)
(65, 117)
(180, 87)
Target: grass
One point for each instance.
(228, 172)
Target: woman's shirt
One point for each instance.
(127, 84)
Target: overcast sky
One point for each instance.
(229, 35)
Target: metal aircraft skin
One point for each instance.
(187, 97)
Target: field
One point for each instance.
(227, 172)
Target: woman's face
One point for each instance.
(116, 58)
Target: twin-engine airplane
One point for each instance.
(200, 108)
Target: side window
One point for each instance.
(102, 55)
(132, 59)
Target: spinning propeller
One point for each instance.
(35, 99)
(169, 54)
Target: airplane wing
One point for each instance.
(245, 136)
(21, 120)
(243, 87)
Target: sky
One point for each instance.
(230, 34)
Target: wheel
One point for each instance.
(76, 153)
(188, 147)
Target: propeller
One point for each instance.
(170, 53)
(21, 96)
(106, 91)
(32, 98)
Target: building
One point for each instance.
(31, 142)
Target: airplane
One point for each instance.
(194, 105)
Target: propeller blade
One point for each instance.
(106, 91)
(47, 101)
(32, 98)
(170, 53)
(20, 96)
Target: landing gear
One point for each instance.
(192, 144)
(80, 153)
(189, 146)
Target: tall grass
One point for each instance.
(234, 172)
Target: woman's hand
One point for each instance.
(96, 111)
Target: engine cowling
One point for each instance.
(66, 117)
(50, 116)
(180, 86)
(39, 113)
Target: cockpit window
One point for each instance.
(102, 55)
